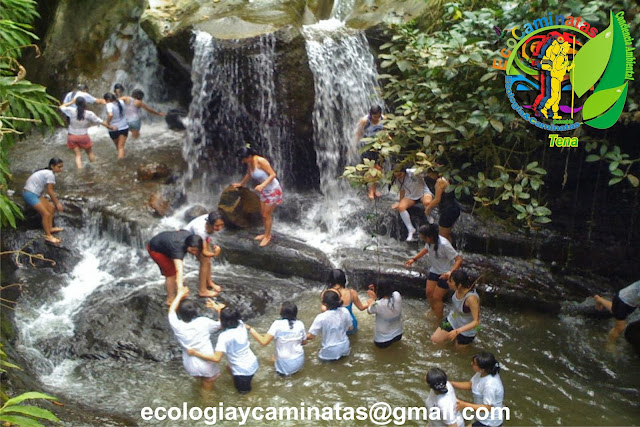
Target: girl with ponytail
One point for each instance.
(443, 260)
(116, 118)
(290, 336)
(442, 398)
(486, 387)
(80, 119)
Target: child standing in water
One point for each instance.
(33, 194)
(333, 324)
(337, 283)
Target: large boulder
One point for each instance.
(240, 207)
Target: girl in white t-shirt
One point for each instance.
(386, 304)
(234, 342)
(37, 184)
(194, 332)
(333, 324)
(290, 336)
(115, 117)
(486, 387)
(441, 402)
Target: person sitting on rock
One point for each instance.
(368, 127)
(193, 332)
(206, 226)
(623, 304)
(168, 249)
(37, 184)
(412, 189)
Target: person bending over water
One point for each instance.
(387, 307)
(464, 318)
(442, 398)
(623, 304)
(132, 107)
(337, 283)
(486, 387)
(115, 117)
(80, 119)
(290, 336)
(234, 342)
(194, 332)
(443, 260)
(269, 188)
(333, 324)
(412, 190)
(33, 194)
(168, 249)
(206, 226)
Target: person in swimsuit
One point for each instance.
(337, 283)
(33, 194)
(368, 127)
(80, 119)
(623, 304)
(268, 186)
(412, 189)
(446, 203)
(462, 322)
(443, 260)
(132, 106)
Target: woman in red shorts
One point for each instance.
(79, 121)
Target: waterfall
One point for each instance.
(234, 103)
(345, 80)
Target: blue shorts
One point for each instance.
(442, 283)
(31, 198)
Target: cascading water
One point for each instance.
(234, 103)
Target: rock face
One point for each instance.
(240, 207)
(154, 170)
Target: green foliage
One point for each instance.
(16, 414)
(22, 104)
(449, 111)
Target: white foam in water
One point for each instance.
(61, 375)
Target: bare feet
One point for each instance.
(597, 299)
(378, 194)
(265, 241)
(371, 195)
(214, 286)
(52, 239)
(57, 229)
(208, 294)
(259, 237)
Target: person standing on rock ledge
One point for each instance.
(168, 249)
(268, 186)
(623, 304)
(206, 226)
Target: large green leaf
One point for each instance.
(591, 61)
(28, 395)
(33, 411)
(615, 72)
(609, 118)
(598, 103)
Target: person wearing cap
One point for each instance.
(168, 250)
(206, 226)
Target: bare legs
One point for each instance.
(171, 283)
(618, 327)
(206, 283)
(267, 216)
(78, 156)
(434, 298)
(119, 143)
(46, 211)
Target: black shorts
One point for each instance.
(460, 339)
(449, 215)
(114, 135)
(242, 383)
(619, 309)
(371, 155)
(442, 283)
(387, 343)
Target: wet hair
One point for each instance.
(289, 311)
(137, 94)
(432, 231)
(109, 97)
(375, 109)
(437, 380)
(194, 241)
(229, 318)
(55, 161)
(213, 217)
(187, 311)
(245, 152)
(336, 277)
(331, 300)
(385, 288)
(118, 86)
(460, 277)
(487, 362)
(81, 106)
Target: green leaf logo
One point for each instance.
(609, 118)
(601, 101)
(591, 61)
